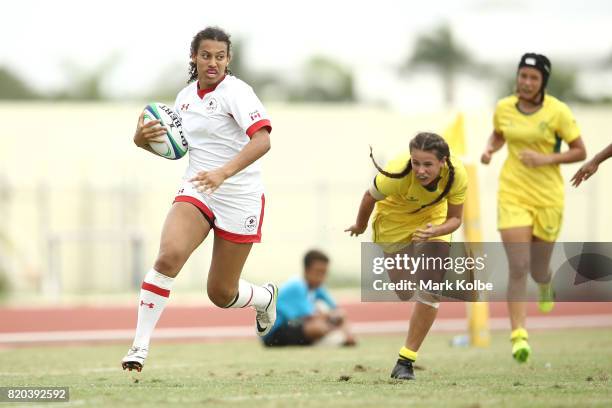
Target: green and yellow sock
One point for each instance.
(519, 334)
(406, 354)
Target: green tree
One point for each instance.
(238, 66)
(264, 83)
(324, 80)
(171, 80)
(13, 87)
(441, 51)
(607, 62)
(562, 83)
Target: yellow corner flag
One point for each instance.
(478, 312)
(455, 136)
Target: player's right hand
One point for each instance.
(149, 132)
(586, 171)
(355, 230)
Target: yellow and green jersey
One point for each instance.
(406, 194)
(542, 132)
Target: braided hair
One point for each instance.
(209, 33)
(428, 142)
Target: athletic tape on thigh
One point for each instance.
(427, 299)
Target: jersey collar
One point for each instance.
(202, 92)
(433, 186)
(516, 105)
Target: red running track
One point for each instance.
(20, 320)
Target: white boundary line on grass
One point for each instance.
(216, 332)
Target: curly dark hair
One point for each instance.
(209, 33)
(429, 142)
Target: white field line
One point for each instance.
(390, 326)
(96, 370)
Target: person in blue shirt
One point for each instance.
(299, 320)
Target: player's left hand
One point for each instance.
(208, 181)
(424, 234)
(533, 159)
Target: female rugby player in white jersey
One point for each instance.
(228, 130)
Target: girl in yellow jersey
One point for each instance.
(530, 197)
(419, 197)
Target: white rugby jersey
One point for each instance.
(218, 122)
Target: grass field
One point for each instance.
(569, 368)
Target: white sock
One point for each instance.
(154, 295)
(251, 295)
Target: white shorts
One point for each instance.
(234, 217)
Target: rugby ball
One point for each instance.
(174, 145)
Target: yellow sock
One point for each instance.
(544, 286)
(546, 291)
(518, 334)
(407, 354)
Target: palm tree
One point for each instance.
(440, 51)
(13, 87)
(324, 80)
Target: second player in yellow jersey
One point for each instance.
(530, 199)
(419, 200)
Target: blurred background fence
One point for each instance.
(83, 208)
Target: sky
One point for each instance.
(42, 39)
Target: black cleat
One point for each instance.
(403, 370)
(132, 365)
